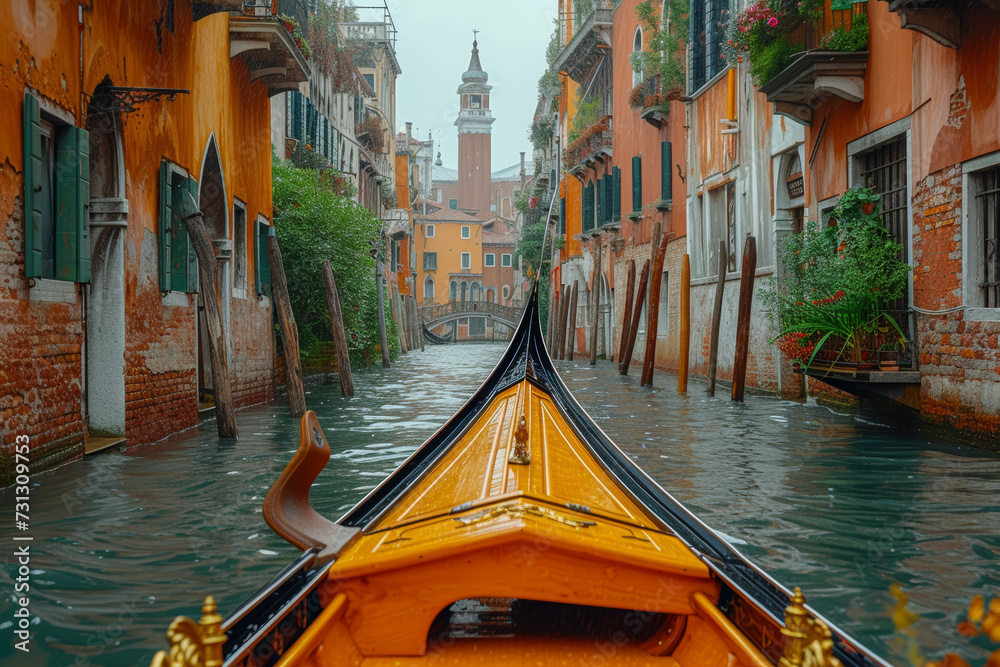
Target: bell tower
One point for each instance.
(473, 123)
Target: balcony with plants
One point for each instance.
(661, 63)
(589, 38)
(269, 37)
(832, 302)
(800, 51)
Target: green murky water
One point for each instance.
(125, 541)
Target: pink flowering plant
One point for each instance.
(769, 33)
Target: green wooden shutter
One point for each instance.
(562, 216)
(72, 195)
(166, 222)
(599, 203)
(616, 194)
(262, 269)
(666, 175)
(32, 185)
(588, 207)
(191, 271)
(636, 184)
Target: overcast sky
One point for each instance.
(434, 46)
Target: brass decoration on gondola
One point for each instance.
(808, 640)
(194, 644)
(521, 454)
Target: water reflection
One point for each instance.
(125, 541)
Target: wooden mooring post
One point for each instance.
(571, 334)
(289, 334)
(563, 315)
(208, 278)
(713, 345)
(553, 321)
(379, 273)
(685, 342)
(636, 315)
(627, 318)
(655, 285)
(743, 317)
(339, 333)
(595, 320)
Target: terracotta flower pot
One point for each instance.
(868, 208)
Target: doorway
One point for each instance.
(104, 296)
(212, 201)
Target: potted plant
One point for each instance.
(835, 285)
(662, 205)
(634, 216)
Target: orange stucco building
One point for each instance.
(102, 333)
(714, 159)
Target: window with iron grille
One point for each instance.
(708, 19)
(883, 168)
(430, 261)
(987, 219)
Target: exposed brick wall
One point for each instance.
(959, 359)
(252, 364)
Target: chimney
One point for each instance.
(409, 135)
(522, 170)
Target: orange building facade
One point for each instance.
(103, 340)
(717, 160)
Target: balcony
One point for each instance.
(376, 27)
(267, 43)
(370, 130)
(593, 145)
(586, 47)
(811, 74)
(941, 20)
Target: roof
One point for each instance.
(445, 215)
(513, 172)
(499, 238)
(443, 174)
(475, 71)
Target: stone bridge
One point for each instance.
(443, 313)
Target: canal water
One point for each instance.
(124, 541)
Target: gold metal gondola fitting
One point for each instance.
(194, 644)
(808, 640)
(521, 454)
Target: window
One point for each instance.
(588, 207)
(453, 204)
(453, 291)
(240, 247)
(56, 198)
(429, 289)
(717, 229)
(506, 291)
(178, 264)
(429, 233)
(370, 80)
(636, 184)
(477, 326)
(262, 267)
(489, 259)
(985, 209)
(430, 261)
(474, 292)
(466, 231)
(466, 261)
(491, 294)
(463, 321)
(562, 216)
(475, 101)
(708, 28)
(616, 194)
(505, 259)
(884, 168)
(636, 59)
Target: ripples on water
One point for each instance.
(125, 541)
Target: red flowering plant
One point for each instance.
(835, 283)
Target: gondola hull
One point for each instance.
(518, 534)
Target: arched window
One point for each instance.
(491, 294)
(453, 292)
(474, 294)
(429, 290)
(465, 290)
(506, 292)
(637, 57)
